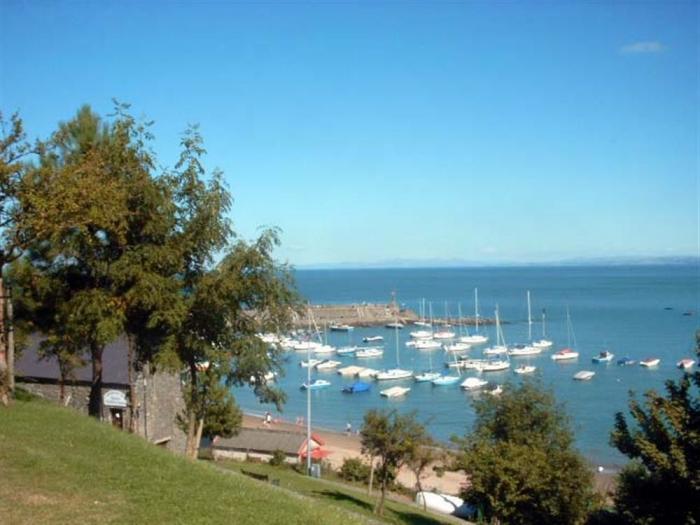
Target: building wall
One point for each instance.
(159, 400)
(241, 455)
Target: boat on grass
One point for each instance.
(316, 385)
(584, 375)
(395, 391)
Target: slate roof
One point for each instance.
(263, 440)
(114, 363)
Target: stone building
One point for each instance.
(158, 395)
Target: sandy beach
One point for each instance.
(342, 446)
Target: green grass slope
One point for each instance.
(57, 466)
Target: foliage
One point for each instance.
(278, 458)
(520, 462)
(662, 484)
(354, 469)
(394, 439)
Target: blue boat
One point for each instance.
(356, 387)
(626, 361)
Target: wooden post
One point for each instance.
(10, 344)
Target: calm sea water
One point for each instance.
(620, 309)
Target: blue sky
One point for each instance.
(374, 131)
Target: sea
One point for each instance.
(635, 311)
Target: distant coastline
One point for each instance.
(407, 264)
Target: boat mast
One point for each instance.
(396, 336)
(529, 317)
(544, 335)
(459, 319)
(308, 411)
(476, 309)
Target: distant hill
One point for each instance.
(463, 263)
(61, 467)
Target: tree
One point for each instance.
(227, 303)
(394, 439)
(662, 484)
(520, 462)
(424, 456)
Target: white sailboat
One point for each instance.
(567, 353)
(476, 338)
(525, 349)
(395, 373)
(500, 348)
(496, 365)
(428, 375)
(543, 343)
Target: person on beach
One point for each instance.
(348, 429)
(268, 419)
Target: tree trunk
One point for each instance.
(4, 372)
(95, 403)
(371, 476)
(130, 377)
(382, 495)
(198, 437)
(190, 450)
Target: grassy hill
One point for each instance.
(57, 466)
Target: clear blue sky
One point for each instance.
(369, 131)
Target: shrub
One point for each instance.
(354, 469)
(278, 458)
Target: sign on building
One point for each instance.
(114, 398)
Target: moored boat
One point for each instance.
(356, 388)
(446, 380)
(444, 334)
(565, 354)
(473, 383)
(684, 364)
(457, 347)
(395, 391)
(341, 328)
(393, 373)
(626, 361)
(309, 363)
(316, 385)
(427, 344)
(395, 325)
(524, 369)
(327, 364)
(650, 362)
(368, 353)
(372, 339)
(495, 365)
(523, 350)
(603, 357)
(584, 375)
(421, 334)
(426, 377)
(347, 350)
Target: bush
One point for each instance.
(354, 469)
(278, 458)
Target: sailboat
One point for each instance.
(543, 343)
(394, 373)
(422, 321)
(475, 338)
(567, 353)
(528, 349)
(429, 375)
(496, 365)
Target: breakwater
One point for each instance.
(369, 314)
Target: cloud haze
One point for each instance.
(637, 48)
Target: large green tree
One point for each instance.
(394, 439)
(226, 302)
(662, 483)
(520, 462)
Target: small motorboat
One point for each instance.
(626, 361)
(341, 328)
(356, 388)
(367, 372)
(650, 361)
(347, 350)
(426, 377)
(473, 383)
(427, 344)
(310, 363)
(327, 364)
(584, 375)
(457, 347)
(494, 365)
(393, 373)
(445, 334)
(367, 353)
(685, 364)
(395, 326)
(446, 380)
(316, 385)
(520, 350)
(565, 354)
(603, 357)
(421, 334)
(476, 339)
(525, 369)
(542, 344)
(496, 350)
(372, 339)
(395, 391)
(324, 349)
(495, 390)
